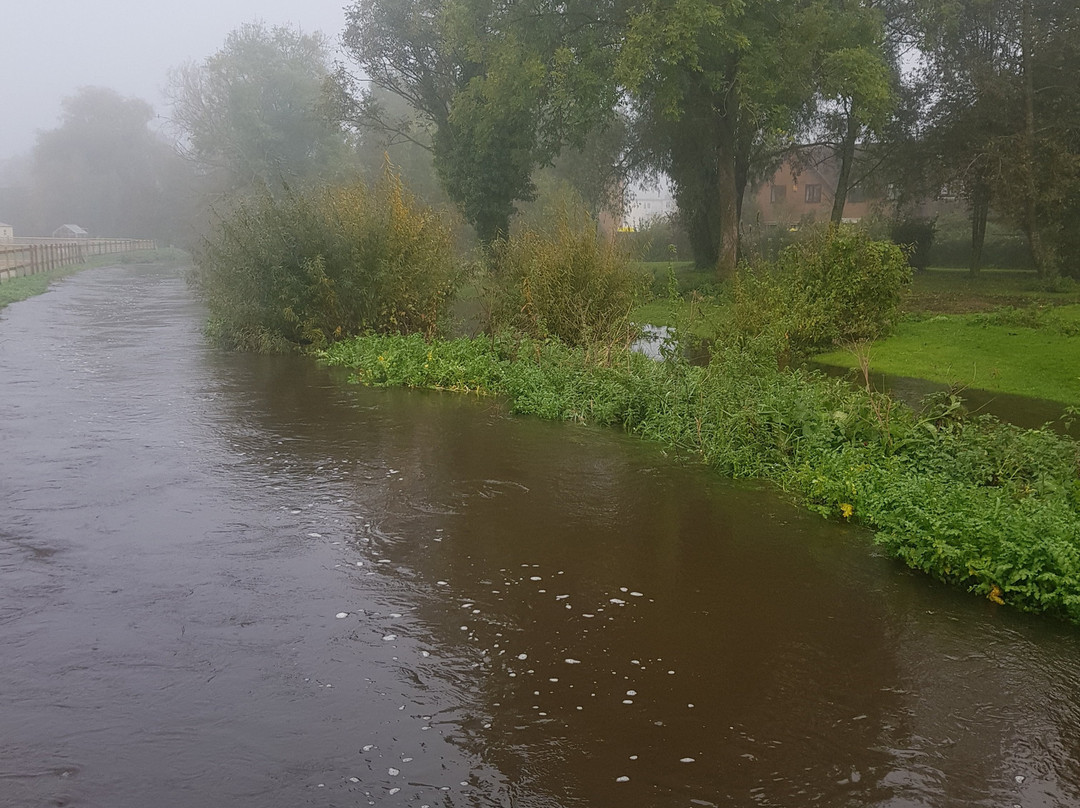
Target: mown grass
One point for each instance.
(29, 286)
(1030, 352)
(983, 505)
(956, 291)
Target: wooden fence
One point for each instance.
(22, 257)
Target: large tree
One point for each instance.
(1002, 120)
(718, 85)
(104, 169)
(502, 87)
(254, 113)
(712, 85)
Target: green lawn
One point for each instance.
(1005, 330)
(956, 291)
(1028, 352)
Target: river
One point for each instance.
(229, 580)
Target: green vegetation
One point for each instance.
(22, 288)
(1006, 331)
(980, 504)
(299, 269)
(838, 286)
(953, 291)
(569, 285)
(1030, 352)
(365, 277)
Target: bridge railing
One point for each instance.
(29, 256)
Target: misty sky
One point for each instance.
(50, 48)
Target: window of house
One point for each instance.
(813, 193)
(777, 193)
(856, 194)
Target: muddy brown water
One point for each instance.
(237, 581)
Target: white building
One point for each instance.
(7, 232)
(648, 203)
(69, 231)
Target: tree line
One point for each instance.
(482, 105)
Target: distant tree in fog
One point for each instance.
(252, 113)
(105, 170)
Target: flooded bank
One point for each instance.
(235, 580)
(1024, 411)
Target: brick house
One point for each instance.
(802, 189)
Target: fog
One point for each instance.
(53, 47)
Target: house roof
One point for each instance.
(4, 224)
(74, 228)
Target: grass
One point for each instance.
(1004, 331)
(956, 291)
(29, 286)
(1013, 351)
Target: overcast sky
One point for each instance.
(50, 48)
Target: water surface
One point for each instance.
(237, 581)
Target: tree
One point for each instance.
(502, 87)
(404, 138)
(1003, 114)
(254, 112)
(717, 85)
(104, 170)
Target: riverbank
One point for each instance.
(28, 286)
(1030, 351)
(979, 504)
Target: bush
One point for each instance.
(662, 238)
(304, 268)
(570, 284)
(916, 236)
(840, 286)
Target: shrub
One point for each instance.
(661, 238)
(569, 284)
(916, 236)
(840, 286)
(304, 268)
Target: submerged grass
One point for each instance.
(986, 506)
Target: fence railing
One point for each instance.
(29, 256)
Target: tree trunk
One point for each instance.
(727, 216)
(980, 209)
(846, 155)
(703, 154)
(1044, 263)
